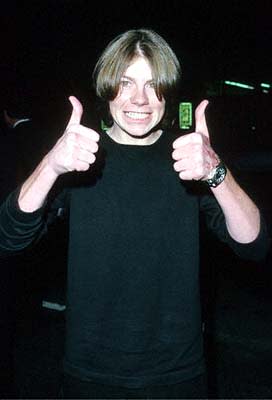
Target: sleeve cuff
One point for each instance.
(256, 250)
(16, 213)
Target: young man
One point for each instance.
(133, 310)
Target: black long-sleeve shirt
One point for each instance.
(133, 308)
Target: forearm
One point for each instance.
(36, 188)
(242, 215)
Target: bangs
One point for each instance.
(121, 52)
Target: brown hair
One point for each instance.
(119, 54)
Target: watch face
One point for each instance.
(220, 173)
(219, 176)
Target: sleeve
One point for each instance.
(256, 250)
(20, 230)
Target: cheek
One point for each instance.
(113, 108)
(117, 104)
(161, 108)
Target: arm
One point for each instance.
(74, 151)
(241, 214)
(194, 160)
(22, 214)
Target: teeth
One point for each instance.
(136, 115)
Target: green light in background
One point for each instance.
(265, 85)
(185, 115)
(240, 85)
(104, 127)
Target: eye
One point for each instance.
(125, 83)
(151, 84)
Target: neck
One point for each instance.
(124, 138)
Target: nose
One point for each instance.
(139, 96)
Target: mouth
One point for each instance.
(137, 115)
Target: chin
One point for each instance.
(141, 132)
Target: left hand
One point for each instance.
(193, 154)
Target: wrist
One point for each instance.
(36, 188)
(49, 169)
(216, 175)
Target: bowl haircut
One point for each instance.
(118, 56)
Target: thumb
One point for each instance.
(77, 111)
(200, 118)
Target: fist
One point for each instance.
(76, 148)
(193, 155)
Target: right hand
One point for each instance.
(76, 148)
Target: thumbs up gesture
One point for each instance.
(193, 154)
(76, 148)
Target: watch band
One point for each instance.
(217, 175)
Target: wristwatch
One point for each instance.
(217, 175)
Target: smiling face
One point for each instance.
(136, 110)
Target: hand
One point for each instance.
(193, 154)
(75, 150)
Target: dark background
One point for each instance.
(49, 47)
(48, 50)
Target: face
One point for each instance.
(136, 109)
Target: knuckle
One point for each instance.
(92, 159)
(197, 137)
(95, 147)
(175, 155)
(177, 166)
